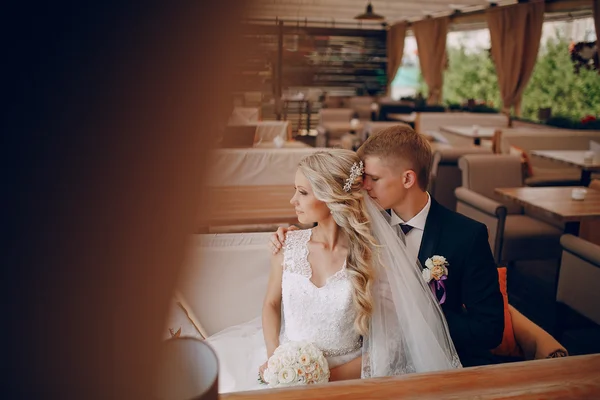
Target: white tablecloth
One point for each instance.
(256, 166)
(268, 130)
(244, 115)
(224, 278)
(286, 145)
(433, 120)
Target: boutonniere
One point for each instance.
(435, 273)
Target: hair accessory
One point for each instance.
(356, 171)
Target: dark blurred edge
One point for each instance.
(105, 109)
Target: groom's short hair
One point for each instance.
(401, 143)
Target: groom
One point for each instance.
(397, 166)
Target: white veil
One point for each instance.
(408, 331)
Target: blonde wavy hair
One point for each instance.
(327, 172)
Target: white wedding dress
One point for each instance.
(321, 315)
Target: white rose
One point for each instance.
(322, 361)
(274, 364)
(427, 274)
(270, 377)
(439, 260)
(429, 263)
(286, 376)
(437, 272)
(302, 346)
(310, 348)
(316, 375)
(287, 359)
(304, 359)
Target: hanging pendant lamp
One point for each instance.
(369, 14)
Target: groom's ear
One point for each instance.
(409, 178)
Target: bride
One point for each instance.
(346, 285)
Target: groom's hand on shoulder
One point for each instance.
(278, 238)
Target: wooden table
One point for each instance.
(244, 205)
(407, 118)
(556, 202)
(309, 139)
(483, 132)
(333, 131)
(573, 158)
(556, 378)
(341, 127)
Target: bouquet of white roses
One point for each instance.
(296, 363)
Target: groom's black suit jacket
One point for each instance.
(474, 306)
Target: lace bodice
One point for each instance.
(322, 315)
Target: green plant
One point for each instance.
(554, 84)
(470, 75)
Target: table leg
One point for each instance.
(321, 140)
(572, 227)
(586, 177)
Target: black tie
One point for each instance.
(405, 228)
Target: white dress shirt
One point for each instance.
(415, 236)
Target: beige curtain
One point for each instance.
(515, 33)
(395, 49)
(431, 44)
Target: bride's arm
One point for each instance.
(271, 313)
(350, 370)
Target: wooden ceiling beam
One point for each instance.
(568, 5)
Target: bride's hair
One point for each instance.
(328, 172)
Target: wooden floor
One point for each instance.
(558, 378)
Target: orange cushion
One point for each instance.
(527, 167)
(509, 346)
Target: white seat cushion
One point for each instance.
(224, 279)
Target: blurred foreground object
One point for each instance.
(188, 370)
